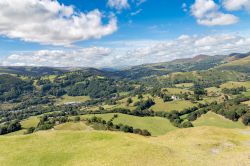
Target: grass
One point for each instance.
(247, 103)
(49, 77)
(72, 126)
(184, 85)
(155, 125)
(30, 122)
(27, 123)
(232, 84)
(123, 103)
(213, 91)
(7, 105)
(177, 105)
(19, 132)
(247, 93)
(212, 119)
(68, 99)
(201, 146)
(175, 91)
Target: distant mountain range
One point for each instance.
(235, 61)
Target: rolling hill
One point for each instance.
(201, 146)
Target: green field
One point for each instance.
(247, 103)
(235, 84)
(73, 126)
(27, 123)
(155, 125)
(184, 85)
(19, 132)
(212, 119)
(247, 93)
(201, 146)
(175, 91)
(49, 77)
(177, 105)
(68, 99)
(30, 122)
(213, 91)
(123, 103)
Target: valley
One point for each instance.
(177, 116)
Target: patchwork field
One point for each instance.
(184, 85)
(213, 91)
(68, 99)
(247, 93)
(71, 126)
(212, 119)
(177, 105)
(201, 146)
(247, 103)
(175, 91)
(30, 122)
(235, 84)
(155, 125)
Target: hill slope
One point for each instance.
(196, 146)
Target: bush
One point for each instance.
(30, 130)
(246, 119)
(187, 124)
(146, 133)
(77, 119)
(127, 129)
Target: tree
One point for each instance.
(246, 119)
(187, 124)
(77, 119)
(30, 130)
(129, 101)
(127, 129)
(167, 98)
(140, 96)
(146, 133)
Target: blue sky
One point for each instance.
(109, 32)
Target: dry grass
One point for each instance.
(201, 146)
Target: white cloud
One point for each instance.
(93, 56)
(136, 12)
(49, 22)
(118, 4)
(208, 13)
(233, 5)
(128, 53)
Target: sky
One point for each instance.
(119, 33)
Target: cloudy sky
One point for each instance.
(119, 33)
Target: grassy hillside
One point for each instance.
(30, 122)
(73, 126)
(177, 105)
(241, 65)
(155, 125)
(202, 146)
(68, 99)
(212, 119)
(232, 84)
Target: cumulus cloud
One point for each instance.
(49, 22)
(233, 5)
(93, 56)
(118, 4)
(208, 13)
(128, 53)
